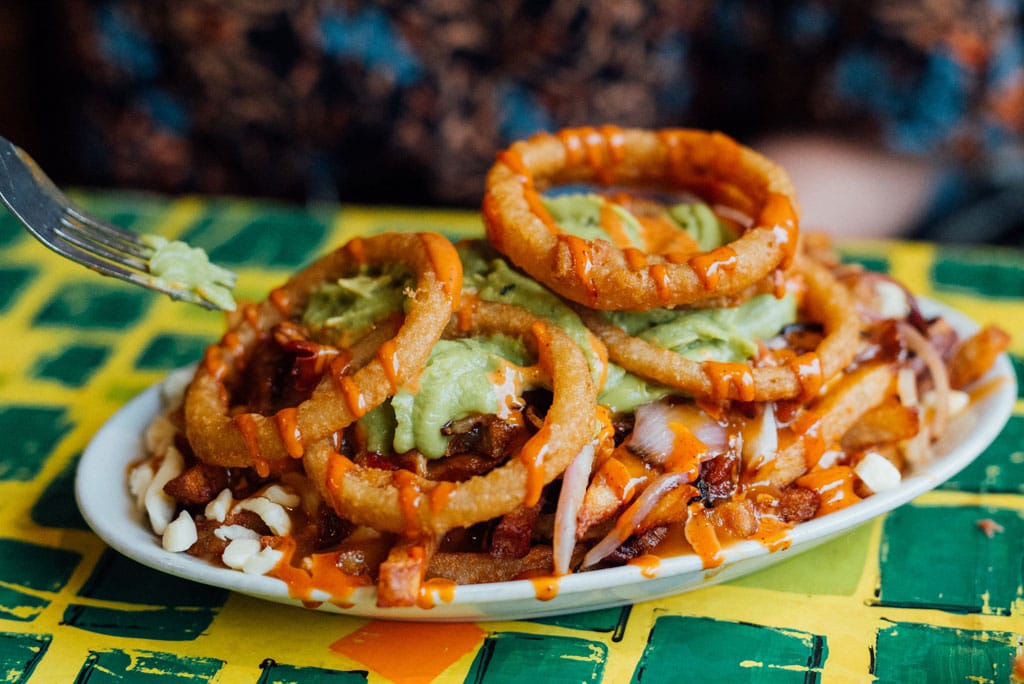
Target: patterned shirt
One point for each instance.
(407, 102)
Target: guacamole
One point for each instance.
(175, 263)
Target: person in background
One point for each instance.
(893, 116)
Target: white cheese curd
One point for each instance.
(249, 556)
(180, 533)
(220, 506)
(172, 390)
(273, 514)
(159, 506)
(956, 403)
(878, 473)
(159, 436)
(281, 496)
(891, 300)
(138, 482)
(233, 532)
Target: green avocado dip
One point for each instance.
(481, 376)
(580, 214)
(176, 264)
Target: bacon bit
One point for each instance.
(990, 527)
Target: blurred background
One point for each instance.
(894, 118)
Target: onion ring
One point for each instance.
(400, 501)
(600, 275)
(826, 301)
(340, 397)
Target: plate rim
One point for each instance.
(131, 536)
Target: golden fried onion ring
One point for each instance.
(826, 302)
(401, 501)
(341, 396)
(599, 275)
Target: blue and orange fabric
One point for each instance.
(407, 102)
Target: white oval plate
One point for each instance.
(108, 508)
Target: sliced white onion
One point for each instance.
(654, 440)
(633, 516)
(570, 499)
(761, 440)
(917, 343)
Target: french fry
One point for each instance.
(975, 355)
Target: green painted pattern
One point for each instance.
(10, 230)
(71, 366)
(159, 624)
(719, 651)
(20, 606)
(260, 234)
(94, 305)
(117, 578)
(30, 434)
(938, 557)
(1000, 468)
(511, 656)
(171, 350)
(12, 281)
(145, 667)
(43, 568)
(56, 506)
(607, 620)
(908, 653)
(993, 273)
(19, 654)
(275, 673)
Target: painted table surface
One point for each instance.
(77, 346)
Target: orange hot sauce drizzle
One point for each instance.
(489, 209)
(251, 314)
(281, 300)
(409, 498)
(440, 495)
(387, 354)
(288, 426)
(648, 564)
(213, 361)
(323, 574)
(582, 259)
(231, 343)
(545, 588)
(356, 250)
(778, 213)
(448, 270)
(433, 589)
(808, 371)
(709, 266)
(464, 314)
(834, 486)
(808, 426)
(773, 533)
(674, 157)
(611, 224)
(659, 274)
(726, 376)
(686, 451)
(337, 466)
(700, 532)
(354, 398)
(573, 145)
(635, 258)
(246, 423)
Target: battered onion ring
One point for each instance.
(339, 398)
(826, 302)
(400, 501)
(602, 276)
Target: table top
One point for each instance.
(76, 347)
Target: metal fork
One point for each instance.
(67, 229)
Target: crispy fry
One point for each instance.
(974, 356)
